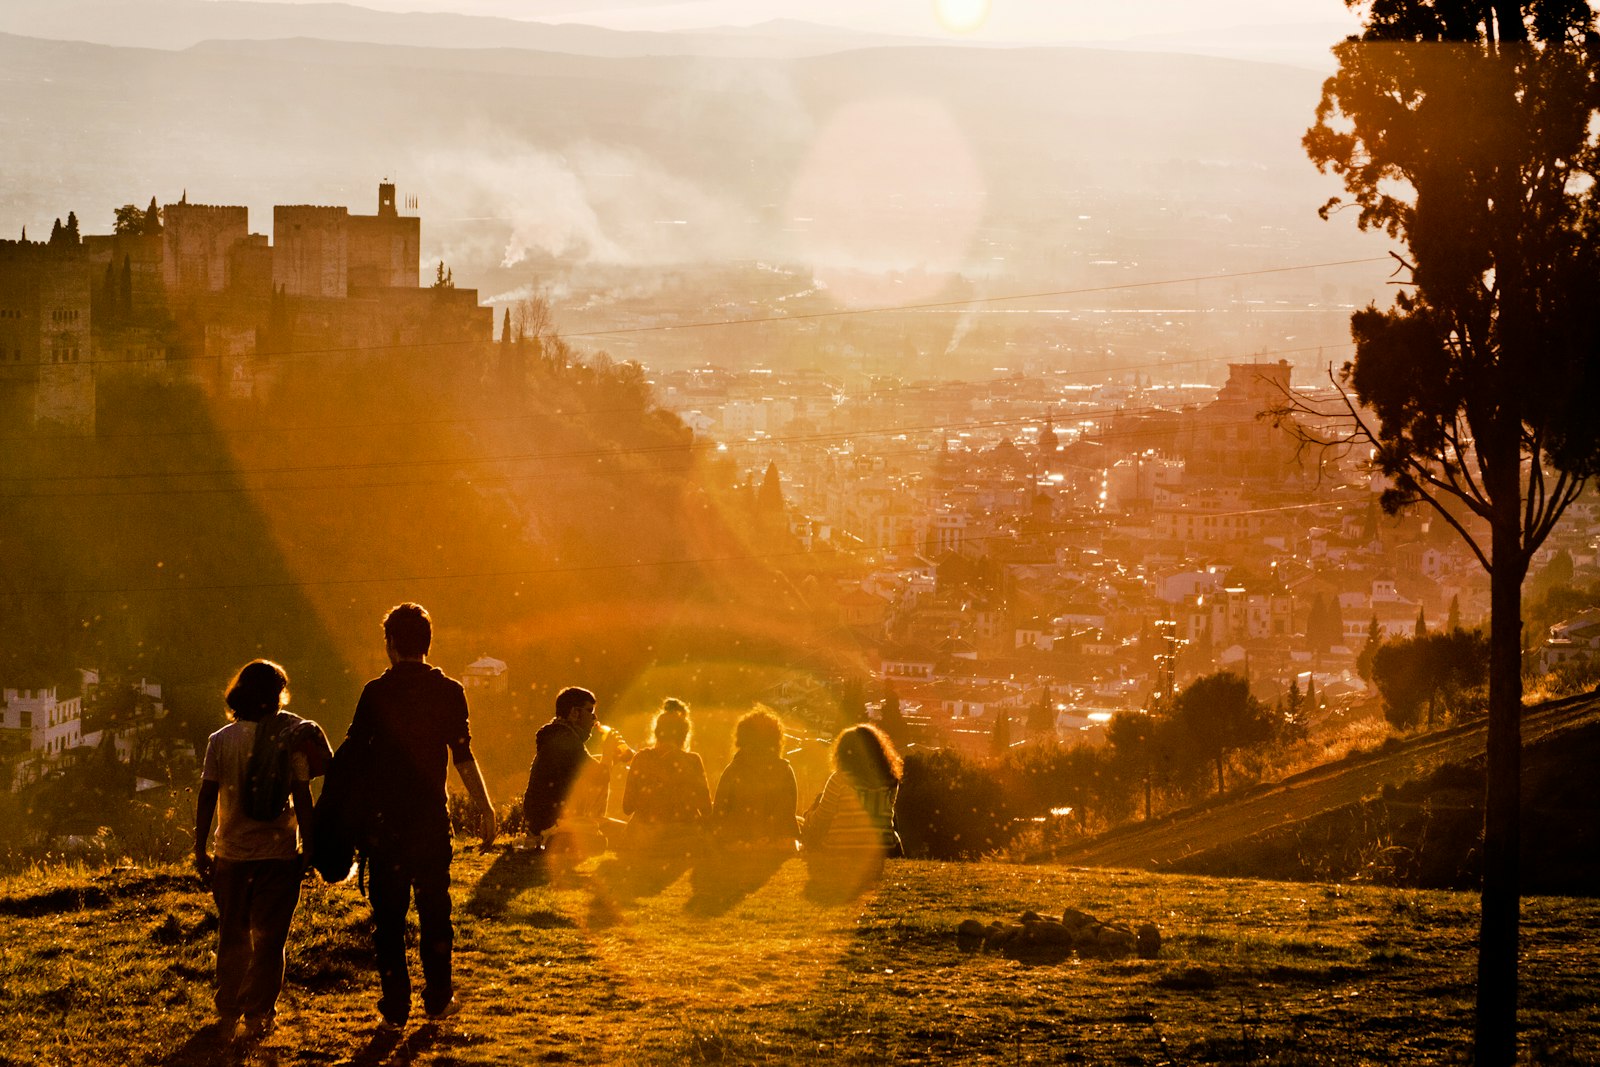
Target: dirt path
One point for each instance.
(1310, 793)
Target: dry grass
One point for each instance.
(1329, 746)
(584, 966)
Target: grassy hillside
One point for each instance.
(586, 966)
(565, 527)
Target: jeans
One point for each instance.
(394, 872)
(255, 904)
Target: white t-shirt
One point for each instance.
(239, 837)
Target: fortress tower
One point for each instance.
(44, 330)
(197, 240)
(328, 253)
(386, 248)
(311, 251)
(201, 297)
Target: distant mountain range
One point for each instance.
(563, 148)
(180, 24)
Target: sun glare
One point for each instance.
(962, 16)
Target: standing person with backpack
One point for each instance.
(260, 783)
(409, 725)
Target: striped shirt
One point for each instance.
(848, 817)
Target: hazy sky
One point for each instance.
(1039, 21)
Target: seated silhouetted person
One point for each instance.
(565, 803)
(757, 795)
(753, 826)
(850, 826)
(666, 794)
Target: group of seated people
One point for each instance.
(671, 810)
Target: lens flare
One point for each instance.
(887, 202)
(962, 16)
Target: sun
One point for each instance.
(961, 16)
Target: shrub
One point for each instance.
(952, 806)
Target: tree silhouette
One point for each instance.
(890, 718)
(1218, 716)
(1324, 624)
(852, 701)
(129, 220)
(1000, 736)
(1400, 675)
(1431, 670)
(1042, 716)
(1294, 708)
(1466, 131)
(1131, 736)
(1364, 657)
(769, 499)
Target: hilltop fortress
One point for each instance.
(188, 291)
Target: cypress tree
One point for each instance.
(769, 500)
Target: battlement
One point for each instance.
(203, 284)
(201, 209)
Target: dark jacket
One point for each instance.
(559, 757)
(410, 725)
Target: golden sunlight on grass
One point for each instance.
(594, 964)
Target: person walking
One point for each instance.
(261, 839)
(410, 724)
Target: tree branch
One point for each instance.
(1473, 493)
(1455, 523)
(1567, 489)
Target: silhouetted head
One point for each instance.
(865, 754)
(260, 688)
(408, 630)
(671, 726)
(575, 706)
(759, 733)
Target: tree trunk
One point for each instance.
(1495, 1038)
(1509, 26)
(1220, 756)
